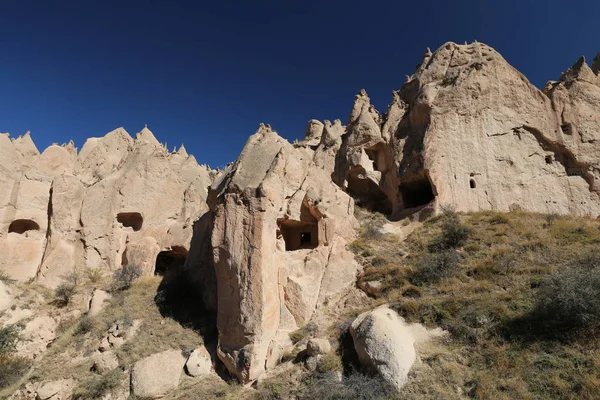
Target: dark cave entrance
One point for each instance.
(21, 226)
(369, 194)
(299, 235)
(170, 260)
(416, 193)
(131, 220)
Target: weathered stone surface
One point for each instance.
(104, 361)
(6, 298)
(56, 390)
(37, 334)
(384, 344)
(97, 302)
(199, 362)
(317, 346)
(60, 210)
(157, 375)
(277, 219)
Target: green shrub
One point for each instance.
(126, 276)
(372, 228)
(570, 296)
(9, 337)
(433, 267)
(12, 369)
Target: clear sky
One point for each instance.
(207, 73)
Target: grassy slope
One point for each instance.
(497, 350)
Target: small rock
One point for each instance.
(97, 302)
(157, 375)
(199, 362)
(56, 390)
(311, 363)
(372, 288)
(318, 346)
(105, 361)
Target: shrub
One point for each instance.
(433, 267)
(354, 386)
(86, 324)
(65, 291)
(310, 329)
(570, 295)
(453, 233)
(9, 337)
(126, 276)
(372, 228)
(329, 363)
(12, 369)
(98, 386)
(94, 275)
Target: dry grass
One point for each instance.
(497, 349)
(82, 336)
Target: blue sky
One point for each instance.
(207, 73)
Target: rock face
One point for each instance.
(157, 375)
(469, 131)
(265, 240)
(384, 344)
(62, 210)
(278, 239)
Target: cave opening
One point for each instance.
(472, 184)
(132, 220)
(369, 194)
(21, 226)
(416, 193)
(298, 234)
(170, 260)
(377, 156)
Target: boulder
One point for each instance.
(104, 361)
(157, 375)
(384, 344)
(317, 346)
(56, 390)
(199, 362)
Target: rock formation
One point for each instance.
(117, 201)
(278, 239)
(266, 238)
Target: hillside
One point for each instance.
(481, 276)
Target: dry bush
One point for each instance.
(12, 369)
(65, 291)
(99, 385)
(126, 276)
(571, 295)
(433, 267)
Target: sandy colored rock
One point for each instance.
(199, 362)
(37, 334)
(157, 375)
(277, 218)
(317, 346)
(104, 361)
(384, 344)
(56, 390)
(97, 302)
(6, 298)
